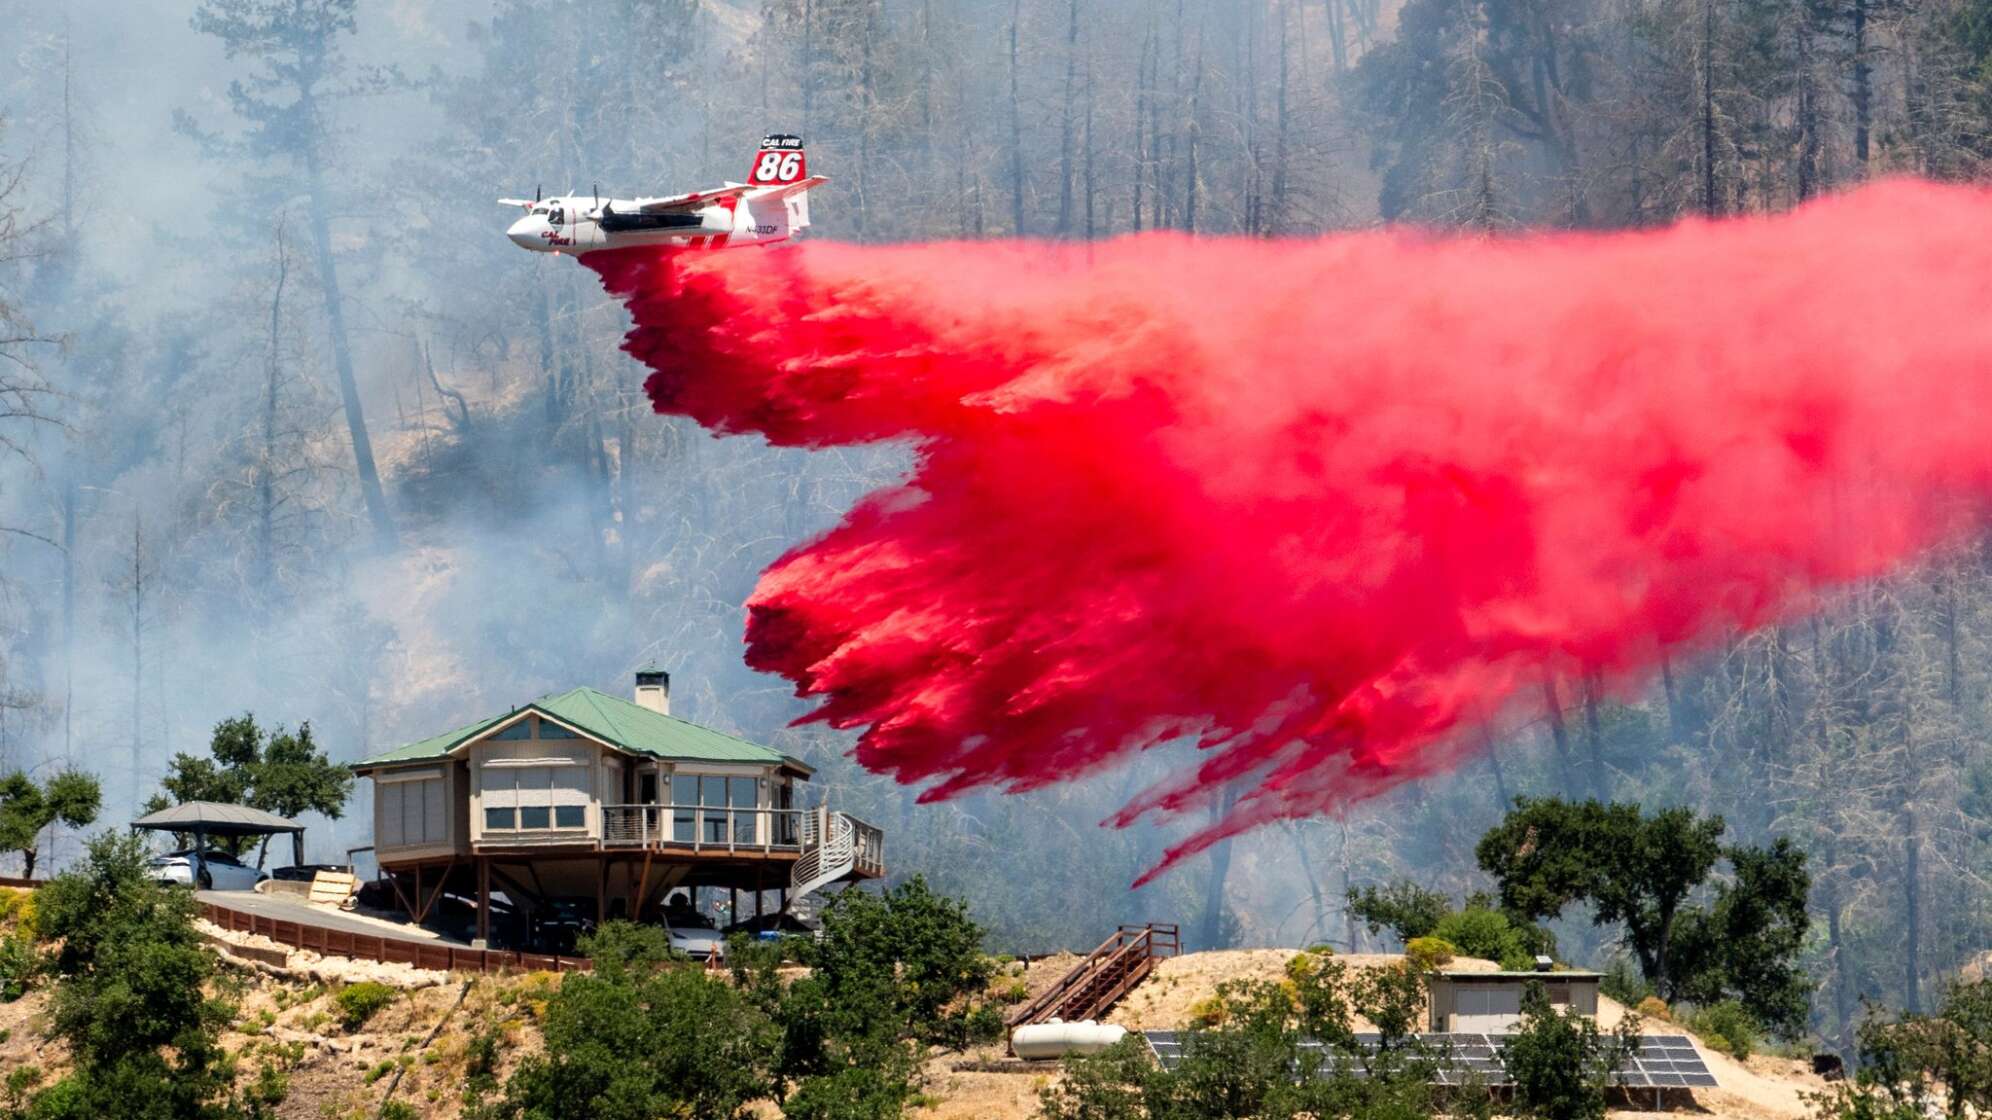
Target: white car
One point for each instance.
(696, 937)
(210, 871)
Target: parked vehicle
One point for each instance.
(559, 926)
(694, 935)
(210, 870)
(306, 872)
(771, 926)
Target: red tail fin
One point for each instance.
(779, 161)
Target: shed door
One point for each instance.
(1489, 1008)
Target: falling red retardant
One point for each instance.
(1332, 508)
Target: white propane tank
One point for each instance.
(1057, 1038)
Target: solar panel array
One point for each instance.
(1668, 1061)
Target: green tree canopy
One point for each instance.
(274, 770)
(640, 1038)
(130, 996)
(27, 810)
(1640, 872)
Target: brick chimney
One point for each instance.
(653, 689)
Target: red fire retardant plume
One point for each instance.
(1333, 508)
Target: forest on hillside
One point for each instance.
(288, 425)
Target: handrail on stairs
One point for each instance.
(1130, 948)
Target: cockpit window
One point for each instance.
(556, 217)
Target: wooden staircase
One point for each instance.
(1109, 972)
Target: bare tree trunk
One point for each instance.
(808, 68)
(1493, 752)
(1843, 981)
(1338, 46)
(1710, 206)
(1808, 108)
(1953, 660)
(1016, 127)
(1594, 735)
(1091, 230)
(1320, 926)
(1559, 736)
(137, 647)
(1066, 139)
(69, 496)
(868, 112)
(342, 359)
(1191, 133)
(1211, 928)
(1276, 221)
(1912, 909)
(1673, 698)
(461, 421)
(266, 488)
(1863, 93)
(1142, 139)
(1348, 884)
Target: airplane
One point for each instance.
(772, 205)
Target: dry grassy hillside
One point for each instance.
(441, 1036)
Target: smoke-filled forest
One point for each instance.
(289, 427)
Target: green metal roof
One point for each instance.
(628, 726)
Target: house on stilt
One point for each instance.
(582, 800)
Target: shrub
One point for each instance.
(1247, 1066)
(1428, 953)
(1105, 1086)
(1403, 907)
(1726, 1026)
(1560, 1065)
(1487, 934)
(268, 1091)
(18, 967)
(399, 1110)
(1014, 991)
(1624, 983)
(359, 1002)
(1209, 1011)
(1920, 1066)
(129, 972)
(1322, 950)
(1653, 1007)
(637, 1041)
(17, 910)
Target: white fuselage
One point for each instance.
(581, 224)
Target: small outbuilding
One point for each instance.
(1466, 1002)
(202, 819)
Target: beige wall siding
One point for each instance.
(533, 774)
(414, 812)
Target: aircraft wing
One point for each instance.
(522, 203)
(692, 200)
(798, 186)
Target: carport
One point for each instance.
(202, 819)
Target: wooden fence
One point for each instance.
(374, 947)
(390, 950)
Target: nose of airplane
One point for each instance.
(525, 233)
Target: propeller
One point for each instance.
(536, 192)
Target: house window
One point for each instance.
(409, 810)
(529, 798)
(714, 808)
(554, 731)
(520, 730)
